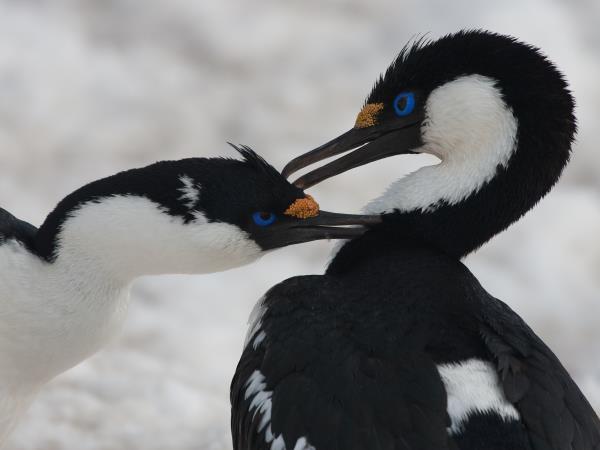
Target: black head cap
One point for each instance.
(530, 83)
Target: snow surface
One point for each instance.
(89, 87)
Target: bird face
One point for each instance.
(195, 215)
(382, 128)
(469, 98)
(253, 197)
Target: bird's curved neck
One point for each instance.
(380, 251)
(458, 228)
(452, 206)
(493, 168)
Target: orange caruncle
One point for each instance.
(367, 117)
(303, 208)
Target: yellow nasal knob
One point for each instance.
(367, 117)
(303, 208)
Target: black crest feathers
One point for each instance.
(256, 161)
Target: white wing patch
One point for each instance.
(261, 404)
(190, 192)
(473, 387)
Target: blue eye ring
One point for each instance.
(409, 105)
(263, 219)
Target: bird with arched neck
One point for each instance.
(397, 345)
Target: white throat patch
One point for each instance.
(472, 130)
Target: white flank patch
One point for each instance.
(470, 128)
(190, 192)
(473, 387)
(261, 404)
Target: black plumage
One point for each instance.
(231, 191)
(12, 228)
(351, 356)
(352, 359)
(538, 96)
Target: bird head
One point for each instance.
(252, 196)
(495, 111)
(194, 215)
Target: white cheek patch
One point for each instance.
(472, 130)
(132, 236)
(472, 387)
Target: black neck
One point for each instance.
(382, 253)
(456, 230)
(461, 228)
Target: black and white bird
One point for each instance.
(397, 345)
(64, 287)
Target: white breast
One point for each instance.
(52, 316)
(48, 323)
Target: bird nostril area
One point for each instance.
(303, 208)
(367, 117)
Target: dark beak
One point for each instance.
(326, 225)
(399, 136)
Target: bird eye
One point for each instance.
(263, 219)
(404, 104)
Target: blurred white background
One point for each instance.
(88, 88)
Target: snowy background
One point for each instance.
(88, 88)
